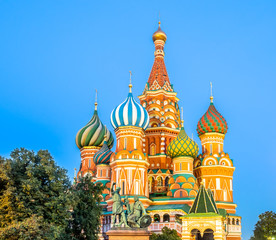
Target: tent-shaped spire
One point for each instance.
(204, 202)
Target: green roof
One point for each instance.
(183, 207)
(204, 202)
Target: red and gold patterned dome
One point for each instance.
(212, 121)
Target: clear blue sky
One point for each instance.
(53, 54)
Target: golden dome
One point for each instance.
(159, 35)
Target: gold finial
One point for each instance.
(96, 100)
(211, 98)
(130, 85)
(182, 120)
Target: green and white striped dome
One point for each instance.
(92, 134)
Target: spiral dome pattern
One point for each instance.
(92, 134)
(103, 155)
(129, 113)
(182, 146)
(212, 121)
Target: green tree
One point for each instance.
(85, 221)
(167, 234)
(34, 196)
(265, 228)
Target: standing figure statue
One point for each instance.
(138, 216)
(117, 208)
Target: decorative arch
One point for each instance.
(191, 179)
(208, 160)
(187, 185)
(180, 179)
(171, 180)
(175, 186)
(181, 193)
(225, 162)
(193, 193)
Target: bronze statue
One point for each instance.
(117, 208)
(136, 214)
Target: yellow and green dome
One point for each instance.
(182, 146)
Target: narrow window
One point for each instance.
(180, 167)
(134, 143)
(137, 188)
(225, 195)
(125, 143)
(231, 185)
(211, 148)
(101, 173)
(89, 162)
(218, 183)
(123, 188)
(219, 148)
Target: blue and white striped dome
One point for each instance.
(130, 113)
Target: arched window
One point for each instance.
(152, 149)
(233, 221)
(211, 148)
(208, 234)
(229, 221)
(166, 218)
(167, 181)
(156, 218)
(159, 181)
(89, 162)
(125, 143)
(237, 222)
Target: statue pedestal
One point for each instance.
(128, 233)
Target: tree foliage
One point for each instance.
(167, 234)
(34, 197)
(85, 222)
(265, 228)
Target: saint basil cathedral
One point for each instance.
(155, 159)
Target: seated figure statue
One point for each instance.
(138, 216)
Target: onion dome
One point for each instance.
(103, 155)
(159, 35)
(212, 121)
(182, 146)
(129, 113)
(92, 134)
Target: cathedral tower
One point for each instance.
(130, 164)
(160, 101)
(89, 140)
(214, 167)
(182, 150)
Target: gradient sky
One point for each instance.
(54, 54)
